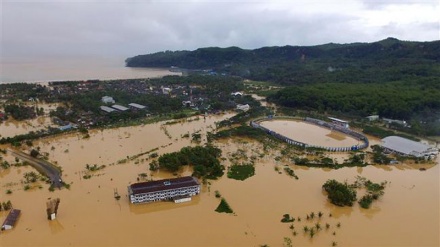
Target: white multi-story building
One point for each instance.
(166, 189)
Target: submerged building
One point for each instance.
(403, 146)
(11, 219)
(176, 189)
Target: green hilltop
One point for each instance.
(382, 61)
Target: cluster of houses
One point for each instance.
(388, 120)
(115, 107)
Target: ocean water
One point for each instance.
(44, 69)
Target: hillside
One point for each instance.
(382, 61)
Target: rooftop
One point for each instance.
(337, 120)
(120, 107)
(164, 184)
(137, 106)
(107, 109)
(12, 217)
(405, 146)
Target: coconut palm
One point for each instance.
(318, 226)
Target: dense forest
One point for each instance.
(382, 61)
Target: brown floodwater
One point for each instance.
(407, 215)
(11, 127)
(310, 133)
(73, 68)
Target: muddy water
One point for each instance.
(407, 215)
(71, 68)
(309, 133)
(11, 127)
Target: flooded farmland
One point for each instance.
(407, 214)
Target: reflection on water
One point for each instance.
(161, 206)
(55, 226)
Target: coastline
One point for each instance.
(44, 70)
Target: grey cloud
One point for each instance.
(139, 27)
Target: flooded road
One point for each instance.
(407, 215)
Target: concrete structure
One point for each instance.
(336, 127)
(373, 118)
(176, 189)
(120, 107)
(339, 122)
(107, 100)
(390, 121)
(243, 107)
(166, 90)
(11, 219)
(107, 109)
(65, 127)
(403, 146)
(237, 94)
(137, 106)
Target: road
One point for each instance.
(42, 166)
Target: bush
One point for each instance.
(241, 172)
(224, 207)
(339, 194)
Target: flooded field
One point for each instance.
(310, 133)
(407, 215)
(12, 127)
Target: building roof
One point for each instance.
(107, 109)
(107, 99)
(137, 106)
(120, 107)
(164, 184)
(12, 218)
(405, 146)
(337, 120)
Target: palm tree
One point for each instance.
(312, 233)
(330, 215)
(339, 224)
(334, 243)
(306, 228)
(312, 215)
(320, 214)
(318, 226)
(327, 225)
(299, 219)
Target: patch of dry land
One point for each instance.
(89, 215)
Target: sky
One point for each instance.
(131, 27)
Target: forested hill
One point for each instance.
(382, 61)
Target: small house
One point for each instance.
(11, 219)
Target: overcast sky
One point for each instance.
(131, 27)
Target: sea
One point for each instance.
(44, 69)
